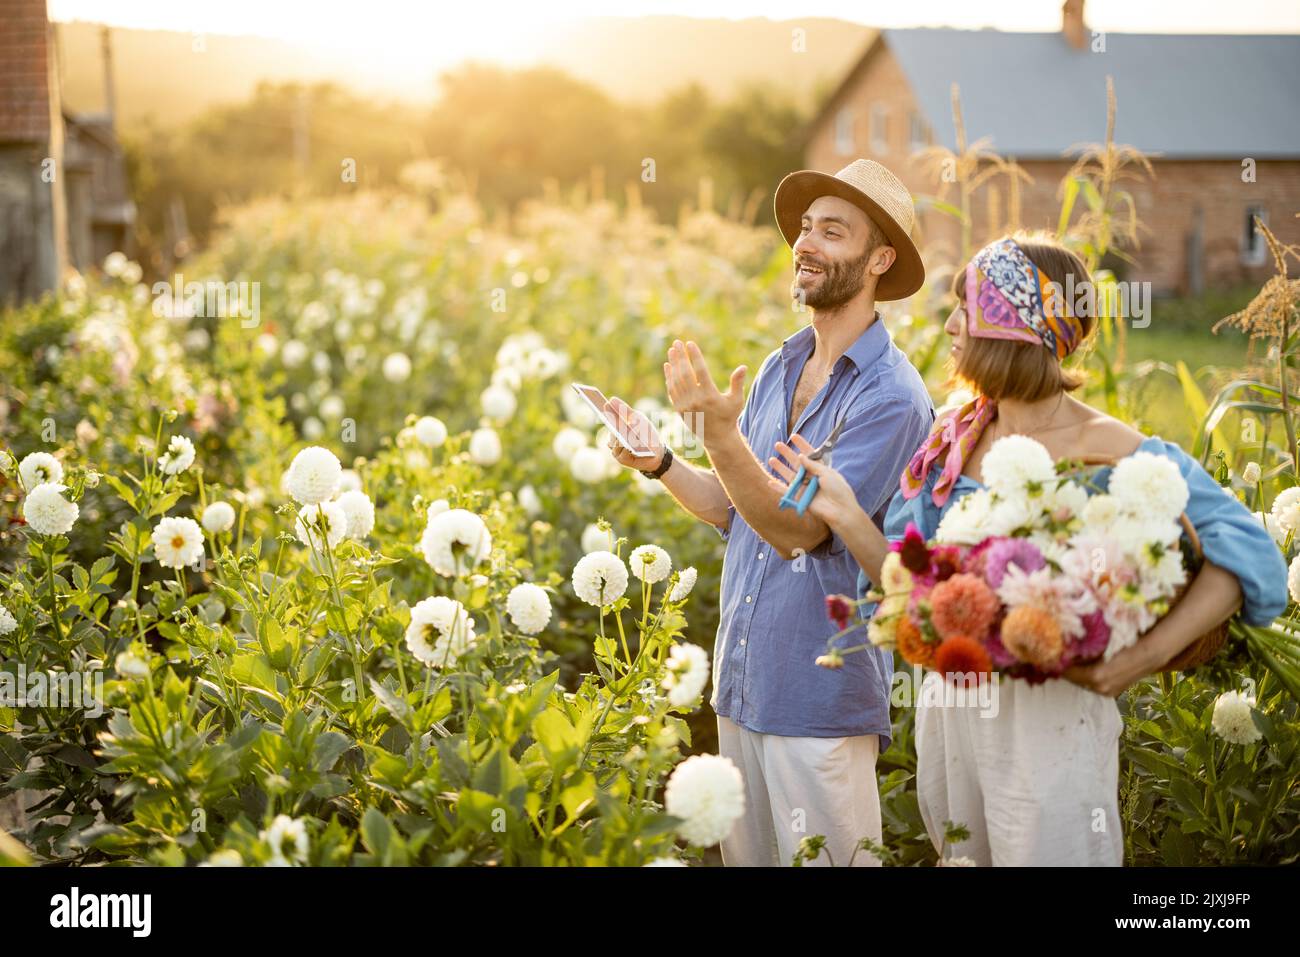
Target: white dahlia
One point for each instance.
(308, 525)
(485, 446)
(707, 793)
(685, 582)
(219, 517)
(8, 623)
(48, 512)
(566, 443)
(498, 403)
(314, 475)
(177, 542)
(594, 538)
(455, 541)
(688, 670)
(178, 457)
(430, 431)
(600, 578)
(287, 838)
(1149, 485)
(529, 607)
(38, 468)
(440, 631)
(650, 563)
(360, 513)
(1286, 509)
(1014, 462)
(1232, 719)
(588, 465)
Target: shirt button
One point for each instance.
(748, 599)
(742, 642)
(760, 556)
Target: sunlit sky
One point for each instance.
(402, 33)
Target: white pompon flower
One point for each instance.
(38, 468)
(178, 457)
(177, 542)
(1014, 462)
(287, 838)
(529, 501)
(1286, 509)
(314, 475)
(219, 517)
(685, 582)
(440, 631)
(436, 507)
(650, 563)
(498, 403)
(48, 512)
(588, 465)
(430, 431)
(349, 481)
(594, 538)
(397, 367)
(1293, 579)
(8, 623)
(360, 512)
(1232, 719)
(307, 526)
(688, 670)
(566, 443)
(1149, 485)
(967, 522)
(1250, 474)
(485, 446)
(707, 793)
(455, 541)
(529, 607)
(600, 578)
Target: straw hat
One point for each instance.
(878, 193)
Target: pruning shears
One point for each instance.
(822, 453)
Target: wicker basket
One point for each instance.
(1207, 645)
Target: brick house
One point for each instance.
(1212, 109)
(64, 196)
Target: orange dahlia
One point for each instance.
(911, 643)
(963, 605)
(960, 655)
(1032, 634)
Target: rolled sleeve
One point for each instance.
(878, 440)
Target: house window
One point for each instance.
(1254, 250)
(917, 135)
(879, 119)
(844, 132)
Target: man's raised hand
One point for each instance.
(707, 412)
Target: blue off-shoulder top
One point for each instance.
(1231, 537)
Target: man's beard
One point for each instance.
(841, 281)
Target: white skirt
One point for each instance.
(1033, 774)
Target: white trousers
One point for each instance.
(798, 787)
(1037, 783)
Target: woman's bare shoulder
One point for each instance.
(1103, 435)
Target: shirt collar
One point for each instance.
(864, 351)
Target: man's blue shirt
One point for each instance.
(773, 612)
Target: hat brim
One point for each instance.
(797, 190)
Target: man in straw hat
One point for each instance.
(804, 737)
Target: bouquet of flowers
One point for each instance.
(1030, 574)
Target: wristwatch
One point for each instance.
(663, 465)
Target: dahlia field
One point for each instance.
(340, 572)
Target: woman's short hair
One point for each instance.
(1008, 369)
